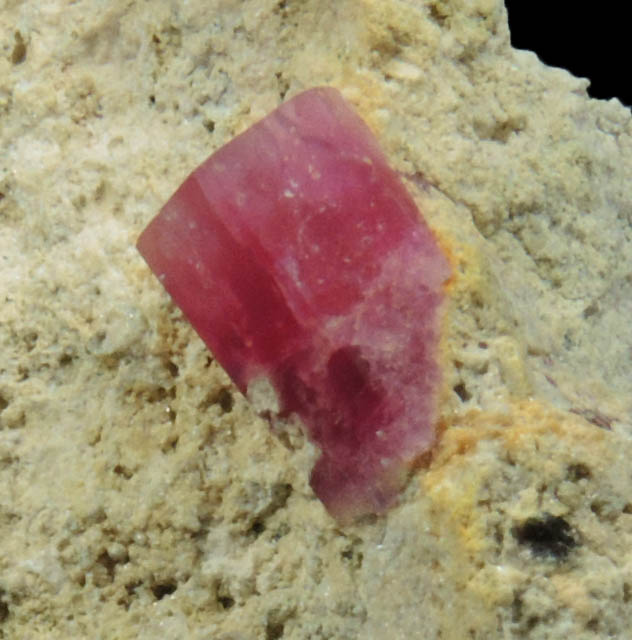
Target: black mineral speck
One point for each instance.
(579, 471)
(461, 391)
(4, 610)
(162, 589)
(546, 535)
(18, 55)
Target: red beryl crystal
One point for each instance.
(305, 266)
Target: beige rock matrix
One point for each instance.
(141, 497)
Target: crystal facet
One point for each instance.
(305, 266)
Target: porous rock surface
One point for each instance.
(140, 497)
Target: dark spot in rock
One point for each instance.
(352, 557)
(65, 359)
(546, 535)
(578, 471)
(368, 520)
(438, 14)
(100, 191)
(162, 589)
(226, 602)
(461, 391)
(279, 494)
(157, 394)
(225, 400)
(351, 553)
(222, 397)
(30, 340)
(284, 85)
(131, 587)
(4, 608)
(130, 594)
(282, 530)
(274, 630)
(605, 510)
(121, 470)
(516, 608)
(172, 368)
(499, 535)
(107, 563)
(593, 625)
(18, 55)
(532, 623)
(281, 491)
(257, 528)
(80, 201)
(171, 443)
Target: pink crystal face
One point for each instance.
(303, 263)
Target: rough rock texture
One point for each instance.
(139, 495)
